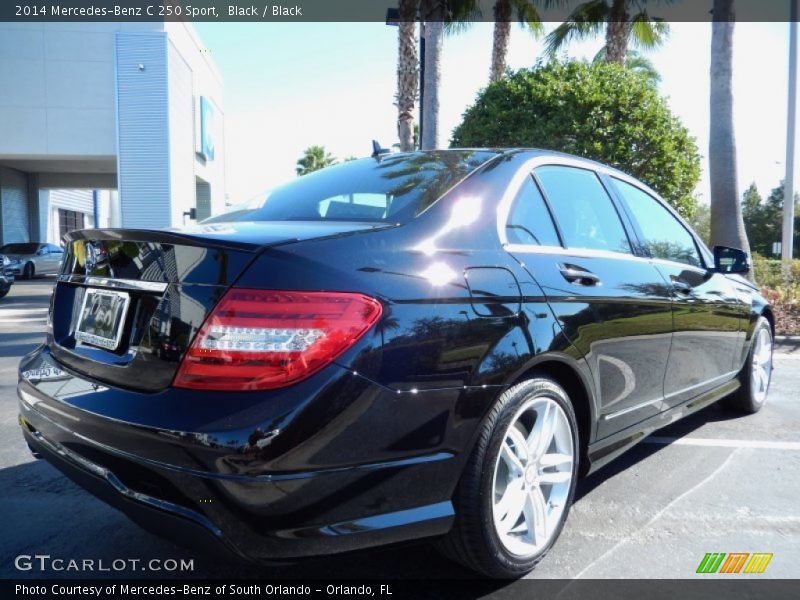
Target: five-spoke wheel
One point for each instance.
(756, 373)
(518, 485)
(761, 364)
(532, 476)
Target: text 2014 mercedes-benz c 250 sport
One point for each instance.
(419, 345)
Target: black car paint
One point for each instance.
(370, 449)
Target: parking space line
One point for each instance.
(656, 516)
(779, 356)
(722, 443)
(31, 320)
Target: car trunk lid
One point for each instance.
(128, 302)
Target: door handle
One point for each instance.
(579, 275)
(681, 286)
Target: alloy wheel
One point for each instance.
(761, 365)
(532, 477)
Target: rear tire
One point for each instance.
(28, 271)
(4, 292)
(756, 374)
(517, 487)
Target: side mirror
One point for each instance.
(730, 260)
(41, 252)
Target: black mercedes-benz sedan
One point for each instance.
(417, 345)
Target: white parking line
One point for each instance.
(19, 320)
(10, 312)
(721, 443)
(780, 356)
(656, 516)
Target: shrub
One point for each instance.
(783, 295)
(768, 272)
(600, 111)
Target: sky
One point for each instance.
(288, 86)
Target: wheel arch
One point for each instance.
(770, 317)
(566, 373)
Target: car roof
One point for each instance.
(535, 152)
(574, 158)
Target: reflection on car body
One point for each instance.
(417, 345)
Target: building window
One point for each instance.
(69, 220)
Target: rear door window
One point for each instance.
(583, 209)
(529, 221)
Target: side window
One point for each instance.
(583, 209)
(529, 221)
(664, 235)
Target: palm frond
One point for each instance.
(636, 62)
(647, 33)
(461, 15)
(529, 17)
(600, 57)
(587, 20)
(640, 64)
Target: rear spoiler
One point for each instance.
(206, 239)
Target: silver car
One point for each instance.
(34, 258)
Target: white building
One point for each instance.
(107, 124)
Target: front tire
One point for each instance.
(756, 374)
(517, 487)
(28, 271)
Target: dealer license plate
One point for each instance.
(102, 318)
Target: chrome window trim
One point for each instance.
(674, 263)
(578, 252)
(124, 284)
(526, 170)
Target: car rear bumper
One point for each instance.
(153, 514)
(221, 501)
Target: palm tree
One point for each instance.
(434, 14)
(314, 158)
(635, 62)
(727, 225)
(526, 14)
(407, 72)
(625, 22)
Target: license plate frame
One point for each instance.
(106, 332)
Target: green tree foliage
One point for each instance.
(763, 220)
(314, 158)
(701, 222)
(625, 23)
(601, 111)
(635, 62)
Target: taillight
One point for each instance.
(258, 339)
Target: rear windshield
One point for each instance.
(394, 189)
(19, 249)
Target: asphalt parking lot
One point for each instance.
(713, 483)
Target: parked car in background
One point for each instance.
(5, 284)
(7, 267)
(419, 345)
(33, 258)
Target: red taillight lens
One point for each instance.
(258, 339)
